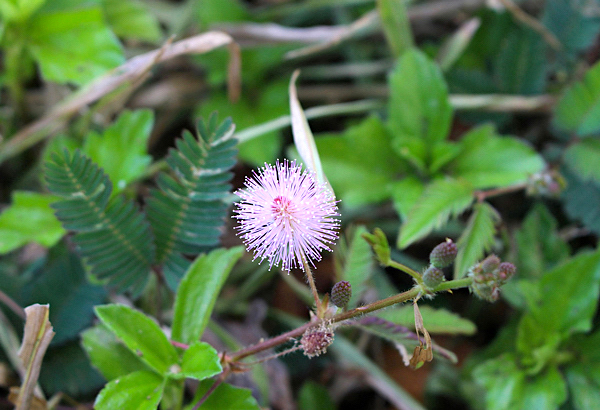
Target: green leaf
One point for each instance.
(405, 194)
(488, 160)
(73, 45)
(139, 390)
(396, 26)
(187, 213)
(18, 10)
(200, 361)
(435, 320)
(579, 108)
(112, 235)
(520, 66)
(583, 157)
(584, 385)
(509, 387)
(314, 396)
(121, 150)
(442, 198)
(131, 19)
(29, 219)
(580, 200)
(477, 238)
(225, 397)
(141, 335)
(360, 163)
(355, 262)
(420, 113)
(109, 355)
(198, 292)
(568, 295)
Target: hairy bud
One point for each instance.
(444, 254)
(341, 293)
(433, 276)
(316, 340)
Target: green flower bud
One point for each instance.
(433, 277)
(341, 293)
(443, 254)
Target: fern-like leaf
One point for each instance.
(187, 212)
(111, 234)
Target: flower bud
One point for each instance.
(433, 277)
(316, 340)
(490, 264)
(341, 293)
(504, 272)
(443, 254)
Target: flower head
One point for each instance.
(285, 216)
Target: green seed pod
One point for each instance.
(341, 293)
(433, 276)
(443, 254)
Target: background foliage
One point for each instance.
(432, 119)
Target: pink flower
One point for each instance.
(286, 216)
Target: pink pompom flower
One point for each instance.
(286, 216)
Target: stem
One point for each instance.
(453, 284)
(416, 275)
(313, 287)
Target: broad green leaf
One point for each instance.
(141, 335)
(435, 320)
(568, 295)
(73, 45)
(583, 157)
(198, 291)
(140, 390)
(356, 264)
(488, 160)
(109, 355)
(579, 108)
(200, 361)
(18, 10)
(419, 110)
(131, 19)
(314, 396)
(508, 387)
(442, 198)
(225, 397)
(537, 345)
(121, 151)
(396, 26)
(477, 238)
(29, 219)
(584, 385)
(580, 200)
(405, 194)
(360, 163)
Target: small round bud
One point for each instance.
(505, 271)
(433, 277)
(315, 341)
(341, 293)
(443, 254)
(490, 263)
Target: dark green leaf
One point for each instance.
(73, 45)
(200, 361)
(419, 110)
(442, 198)
(488, 160)
(141, 335)
(140, 390)
(355, 263)
(435, 320)
(580, 200)
(198, 292)
(131, 19)
(579, 108)
(360, 164)
(110, 356)
(29, 219)
(314, 396)
(121, 150)
(477, 238)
